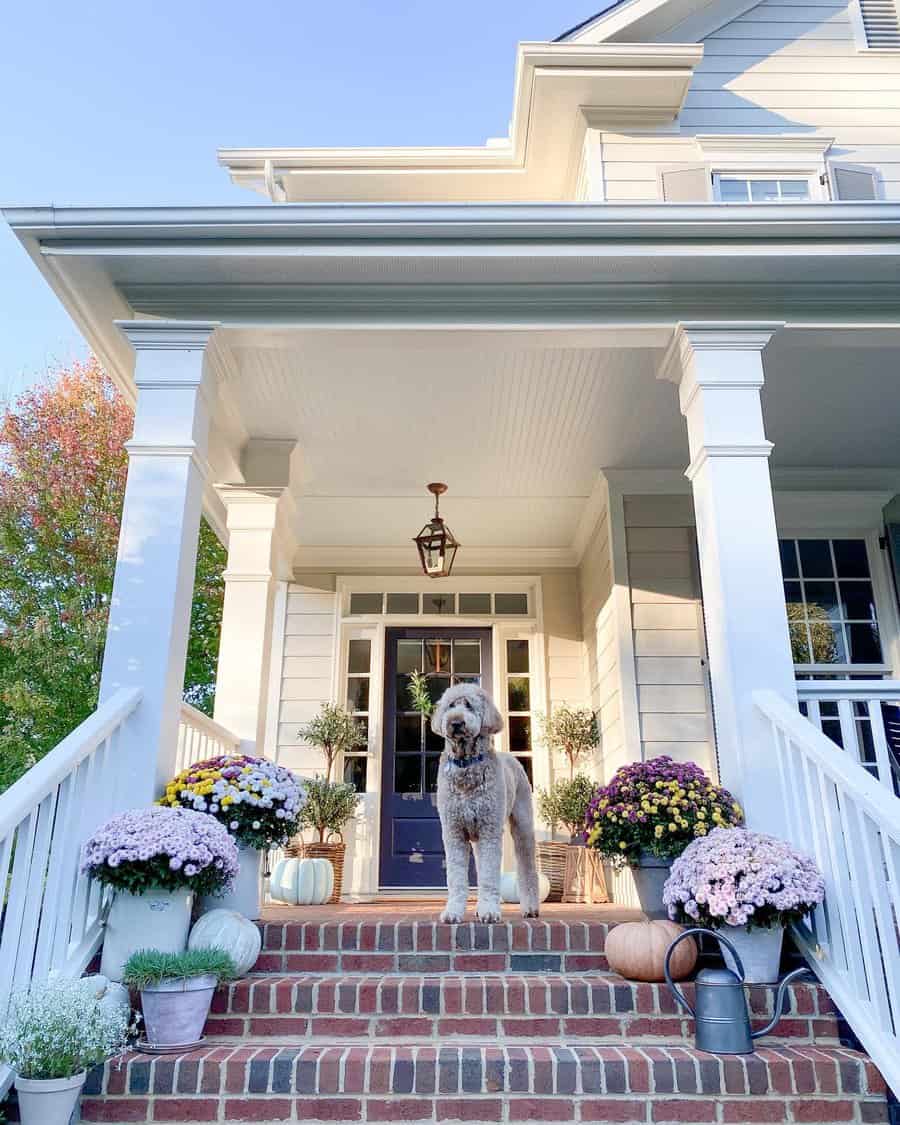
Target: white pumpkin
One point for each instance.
(509, 886)
(228, 930)
(302, 882)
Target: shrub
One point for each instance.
(735, 877)
(59, 1029)
(566, 803)
(147, 967)
(658, 806)
(570, 731)
(257, 801)
(328, 806)
(334, 731)
(162, 848)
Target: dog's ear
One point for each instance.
(437, 716)
(491, 719)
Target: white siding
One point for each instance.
(668, 630)
(780, 68)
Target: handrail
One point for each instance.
(201, 737)
(53, 915)
(838, 813)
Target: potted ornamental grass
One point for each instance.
(52, 1036)
(256, 800)
(328, 808)
(570, 732)
(565, 804)
(156, 860)
(748, 886)
(176, 992)
(649, 813)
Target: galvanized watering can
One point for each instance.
(722, 1018)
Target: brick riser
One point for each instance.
(536, 1007)
(489, 1083)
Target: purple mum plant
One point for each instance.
(734, 877)
(658, 806)
(164, 849)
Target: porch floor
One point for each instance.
(391, 909)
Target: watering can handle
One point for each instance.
(679, 996)
(779, 1002)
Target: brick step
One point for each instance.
(487, 1083)
(425, 946)
(537, 1006)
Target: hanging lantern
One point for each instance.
(436, 544)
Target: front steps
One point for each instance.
(475, 1033)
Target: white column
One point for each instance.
(153, 586)
(719, 372)
(257, 559)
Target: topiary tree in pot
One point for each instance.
(572, 731)
(578, 876)
(328, 807)
(334, 731)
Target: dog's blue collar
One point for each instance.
(461, 763)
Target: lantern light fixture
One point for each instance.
(436, 543)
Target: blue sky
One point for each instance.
(105, 103)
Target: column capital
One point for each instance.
(692, 337)
(167, 335)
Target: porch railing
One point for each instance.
(199, 737)
(838, 812)
(862, 717)
(53, 916)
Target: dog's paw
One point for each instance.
(531, 913)
(450, 917)
(487, 914)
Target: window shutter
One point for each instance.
(685, 183)
(881, 20)
(853, 181)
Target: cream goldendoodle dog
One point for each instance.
(478, 790)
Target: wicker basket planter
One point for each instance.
(551, 861)
(299, 849)
(584, 881)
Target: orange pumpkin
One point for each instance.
(637, 950)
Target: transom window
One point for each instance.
(440, 602)
(830, 603)
(761, 188)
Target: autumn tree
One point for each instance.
(62, 480)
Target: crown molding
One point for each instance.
(167, 335)
(516, 558)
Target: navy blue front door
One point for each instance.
(412, 854)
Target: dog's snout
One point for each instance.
(457, 725)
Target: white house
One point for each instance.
(650, 340)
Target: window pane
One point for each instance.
(517, 656)
(408, 774)
(799, 644)
(526, 765)
(434, 743)
(519, 693)
(439, 603)
(360, 657)
(821, 601)
(365, 603)
(355, 771)
(409, 734)
(437, 685)
(764, 191)
(827, 643)
(431, 773)
(403, 603)
(795, 189)
(857, 600)
(358, 693)
(437, 656)
(511, 603)
(815, 558)
(467, 657)
(793, 599)
(851, 558)
(865, 646)
(733, 191)
(788, 550)
(519, 734)
(475, 603)
(409, 656)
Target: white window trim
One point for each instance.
(768, 156)
(885, 603)
(529, 585)
(816, 191)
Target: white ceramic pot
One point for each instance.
(154, 920)
(759, 950)
(650, 875)
(175, 1011)
(246, 895)
(48, 1101)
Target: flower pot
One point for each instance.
(551, 861)
(650, 874)
(175, 1011)
(334, 851)
(584, 881)
(246, 895)
(759, 950)
(48, 1101)
(154, 920)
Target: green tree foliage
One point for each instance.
(62, 480)
(571, 731)
(335, 731)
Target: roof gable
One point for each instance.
(646, 21)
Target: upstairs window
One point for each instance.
(761, 189)
(880, 24)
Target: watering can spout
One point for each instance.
(779, 1004)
